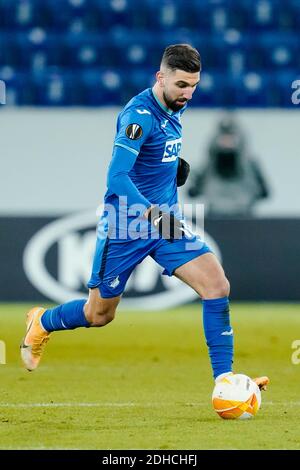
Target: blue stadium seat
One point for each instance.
(56, 88)
(2, 15)
(252, 90)
(293, 9)
(135, 81)
(129, 49)
(101, 87)
(262, 15)
(125, 13)
(279, 50)
(21, 14)
(166, 15)
(287, 18)
(216, 16)
(71, 15)
(213, 91)
(202, 13)
(18, 89)
(37, 49)
(205, 95)
(229, 52)
(8, 49)
(87, 50)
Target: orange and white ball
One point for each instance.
(236, 396)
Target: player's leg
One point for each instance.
(191, 260)
(73, 314)
(99, 311)
(113, 263)
(95, 311)
(206, 276)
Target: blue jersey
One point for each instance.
(145, 158)
(143, 170)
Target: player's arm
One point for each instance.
(133, 129)
(118, 179)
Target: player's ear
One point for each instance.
(160, 78)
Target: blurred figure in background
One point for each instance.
(231, 181)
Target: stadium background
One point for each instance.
(68, 68)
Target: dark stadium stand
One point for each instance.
(101, 52)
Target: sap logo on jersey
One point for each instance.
(172, 150)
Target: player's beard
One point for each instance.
(175, 105)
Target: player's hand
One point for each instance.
(168, 226)
(183, 171)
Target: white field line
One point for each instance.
(125, 404)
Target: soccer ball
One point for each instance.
(236, 396)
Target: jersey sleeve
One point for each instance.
(133, 128)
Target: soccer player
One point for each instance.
(142, 218)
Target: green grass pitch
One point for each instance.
(144, 382)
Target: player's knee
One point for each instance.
(216, 289)
(101, 316)
(224, 287)
(103, 319)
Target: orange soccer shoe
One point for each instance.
(34, 340)
(262, 382)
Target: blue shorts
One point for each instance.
(115, 259)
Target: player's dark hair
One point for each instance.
(182, 57)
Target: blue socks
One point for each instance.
(217, 329)
(218, 334)
(65, 317)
